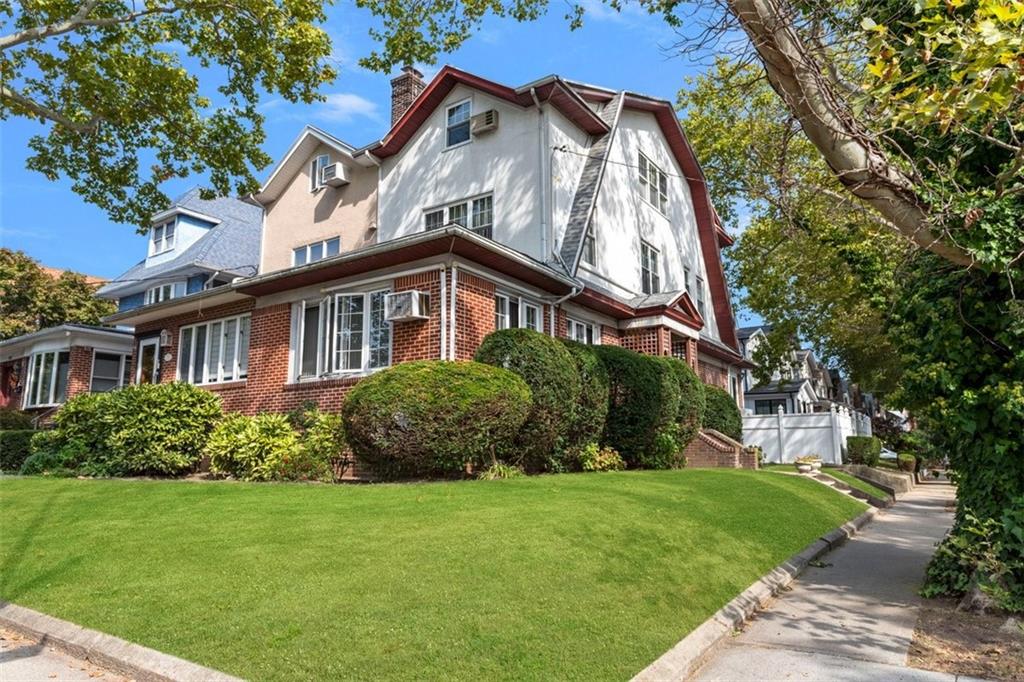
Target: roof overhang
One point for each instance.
(177, 306)
(722, 352)
(181, 210)
(308, 140)
(64, 336)
(115, 290)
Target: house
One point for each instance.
(803, 385)
(41, 370)
(571, 209)
(194, 244)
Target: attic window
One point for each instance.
(162, 237)
(316, 167)
(457, 130)
(653, 184)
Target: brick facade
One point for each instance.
(474, 313)
(713, 449)
(418, 339)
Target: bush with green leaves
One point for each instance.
(432, 418)
(643, 406)
(906, 462)
(588, 417)
(500, 471)
(147, 429)
(322, 435)
(14, 420)
(863, 450)
(722, 414)
(595, 458)
(253, 448)
(15, 448)
(692, 402)
(550, 372)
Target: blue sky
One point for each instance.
(619, 50)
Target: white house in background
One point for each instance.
(804, 385)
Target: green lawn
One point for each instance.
(854, 482)
(583, 576)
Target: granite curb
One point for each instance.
(682, 660)
(106, 651)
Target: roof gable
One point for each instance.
(307, 141)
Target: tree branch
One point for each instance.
(45, 112)
(78, 20)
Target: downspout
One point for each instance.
(577, 287)
(444, 312)
(452, 348)
(541, 185)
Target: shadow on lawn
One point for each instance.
(16, 579)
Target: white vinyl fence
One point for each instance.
(784, 437)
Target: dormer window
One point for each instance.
(162, 237)
(457, 130)
(316, 167)
(165, 292)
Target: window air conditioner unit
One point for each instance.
(484, 122)
(334, 175)
(400, 306)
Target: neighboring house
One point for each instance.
(195, 244)
(803, 385)
(41, 370)
(574, 210)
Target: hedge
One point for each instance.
(863, 450)
(137, 430)
(14, 420)
(433, 417)
(265, 447)
(643, 406)
(587, 422)
(722, 414)
(692, 406)
(550, 372)
(15, 448)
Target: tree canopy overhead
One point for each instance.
(117, 82)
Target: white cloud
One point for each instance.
(342, 107)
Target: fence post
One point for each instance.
(837, 444)
(782, 434)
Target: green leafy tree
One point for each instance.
(135, 93)
(31, 300)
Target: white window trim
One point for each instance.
(315, 170)
(120, 367)
(701, 302)
(327, 336)
(656, 271)
(309, 247)
(165, 247)
(464, 201)
(645, 185)
(522, 303)
(52, 389)
(149, 298)
(364, 351)
(595, 329)
(154, 341)
(236, 369)
(447, 109)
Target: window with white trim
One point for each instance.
(341, 334)
(457, 130)
(311, 253)
(700, 296)
(109, 371)
(653, 184)
(316, 167)
(215, 352)
(589, 253)
(165, 292)
(516, 312)
(581, 332)
(161, 237)
(650, 269)
(476, 214)
(47, 378)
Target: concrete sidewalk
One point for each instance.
(24, 660)
(853, 618)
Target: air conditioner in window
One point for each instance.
(484, 122)
(406, 305)
(334, 174)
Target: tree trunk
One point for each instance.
(852, 154)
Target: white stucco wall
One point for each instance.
(505, 162)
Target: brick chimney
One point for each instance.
(405, 88)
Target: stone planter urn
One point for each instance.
(816, 465)
(804, 468)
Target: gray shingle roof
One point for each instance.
(778, 387)
(232, 246)
(747, 332)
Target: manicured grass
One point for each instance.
(585, 576)
(854, 482)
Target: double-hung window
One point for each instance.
(513, 311)
(47, 378)
(457, 130)
(589, 254)
(162, 237)
(653, 184)
(215, 352)
(650, 269)
(311, 253)
(581, 332)
(165, 292)
(343, 334)
(316, 167)
(475, 214)
(700, 296)
(109, 371)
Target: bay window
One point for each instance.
(344, 333)
(514, 311)
(165, 292)
(47, 378)
(215, 352)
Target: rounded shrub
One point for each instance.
(643, 405)
(863, 450)
(591, 410)
(432, 417)
(550, 372)
(690, 416)
(722, 414)
(906, 461)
